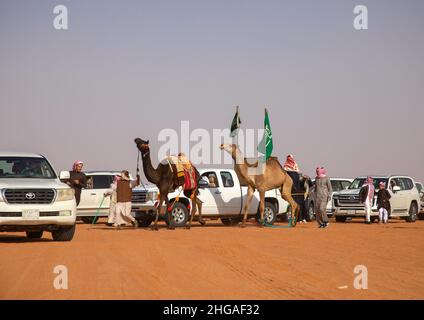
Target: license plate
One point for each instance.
(30, 214)
(351, 212)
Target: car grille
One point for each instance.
(139, 197)
(19, 214)
(349, 199)
(29, 196)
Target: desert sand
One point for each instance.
(218, 262)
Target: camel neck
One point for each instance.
(150, 172)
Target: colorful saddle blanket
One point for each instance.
(184, 172)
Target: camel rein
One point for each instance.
(138, 169)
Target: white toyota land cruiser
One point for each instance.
(404, 202)
(32, 198)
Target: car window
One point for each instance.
(212, 179)
(409, 185)
(102, 181)
(345, 184)
(397, 182)
(359, 182)
(25, 167)
(419, 187)
(227, 179)
(336, 185)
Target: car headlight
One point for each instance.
(152, 196)
(1, 195)
(65, 194)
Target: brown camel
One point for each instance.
(273, 176)
(164, 179)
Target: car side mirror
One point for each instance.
(396, 188)
(203, 184)
(64, 175)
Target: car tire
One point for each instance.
(340, 219)
(270, 214)
(413, 211)
(144, 222)
(373, 219)
(34, 234)
(64, 233)
(232, 221)
(88, 220)
(179, 215)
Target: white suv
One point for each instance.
(32, 198)
(405, 200)
(93, 204)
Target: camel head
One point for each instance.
(142, 145)
(232, 149)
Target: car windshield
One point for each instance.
(25, 167)
(359, 182)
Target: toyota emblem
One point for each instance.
(30, 196)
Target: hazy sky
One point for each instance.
(346, 99)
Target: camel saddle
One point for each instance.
(184, 172)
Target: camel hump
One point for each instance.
(180, 162)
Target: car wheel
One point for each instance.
(413, 211)
(144, 222)
(340, 219)
(64, 234)
(88, 220)
(179, 215)
(270, 214)
(233, 221)
(34, 234)
(373, 219)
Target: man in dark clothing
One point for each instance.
(77, 180)
(383, 203)
(298, 194)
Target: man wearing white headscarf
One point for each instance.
(366, 196)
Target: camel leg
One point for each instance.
(262, 206)
(170, 227)
(199, 207)
(193, 209)
(158, 211)
(286, 195)
(250, 192)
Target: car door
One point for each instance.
(209, 194)
(398, 200)
(101, 183)
(88, 195)
(229, 200)
(410, 192)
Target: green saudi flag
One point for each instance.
(235, 125)
(265, 146)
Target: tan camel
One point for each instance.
(271, 176)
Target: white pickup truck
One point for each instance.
(222, 195)
(33, 200)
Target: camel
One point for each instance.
(273, 176)
(163, 178)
